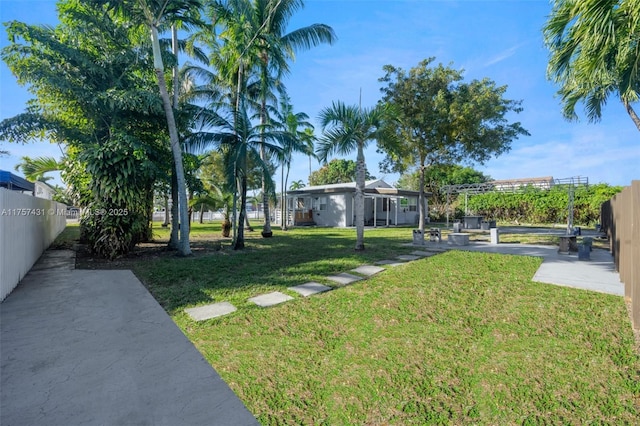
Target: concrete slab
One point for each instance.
(55, 259)
(367, 270)
(408, 257)
(597, 274)
(422, 253)
(214, 310)
(270, 299)
(344, 278)
(391, 263)
(93, 347)
(309, 289)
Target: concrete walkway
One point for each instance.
(93, 347)
(597, 274)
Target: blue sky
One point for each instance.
(499, 39)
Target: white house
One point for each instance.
(333, 205)
(42, 190)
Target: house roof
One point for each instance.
(15, 183)
(371, 187)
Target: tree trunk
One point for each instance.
(421, 216)
(266, 229)
(284, 189)
(183, 249)
(283, 200)
(166, 211)
(359, 199)
(239, 242)
(174, 239)
(632, 114)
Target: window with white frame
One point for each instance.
(320, 203)
(409, 204)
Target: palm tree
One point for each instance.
(35, 168)
(155, 14)
(297, 126)
(270, 19)
(347, 128)
(297, 184)
(595, 53)
(240, 141)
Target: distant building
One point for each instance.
(515, 184)
(42, 190)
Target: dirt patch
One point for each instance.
(142, 252)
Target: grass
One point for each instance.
(457, 338)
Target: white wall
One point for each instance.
(28, 225)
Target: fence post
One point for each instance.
(634, 252)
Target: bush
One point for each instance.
(536, 205)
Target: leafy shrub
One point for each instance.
(536, 205)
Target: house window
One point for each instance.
(409, 204)
(320, 203)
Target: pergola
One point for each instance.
(517, 186)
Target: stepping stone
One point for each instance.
(344, 278)
(367, 270)
(214, 310)
(407, 257)
(310, 288)
(422, 253)
(270, 299)
(391, 263)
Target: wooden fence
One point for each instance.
(620, 219)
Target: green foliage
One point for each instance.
(594, 53)
(441, 120)
(336, 171)
(117, 216)
(536, 205)
(95, 93)
(435, 177)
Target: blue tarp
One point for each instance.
(15, 183)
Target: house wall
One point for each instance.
(335, 213)
(28, 225)
(405, 215)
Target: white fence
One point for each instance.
(28, 225)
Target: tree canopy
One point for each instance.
(594, 50)
(439, 119)
(336, 171)
(435, 178)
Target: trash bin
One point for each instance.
(588, 241)
(485, 225)
(584, 252)
(418, 238)
(457, 227)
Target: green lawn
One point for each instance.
(458, 338)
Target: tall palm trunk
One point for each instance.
(421, 197)
(175, 211)
(266, 229)
(184, 249)
(632, 114)
(283, 201)
(174, 239)
(359, 199)
(239, 242)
